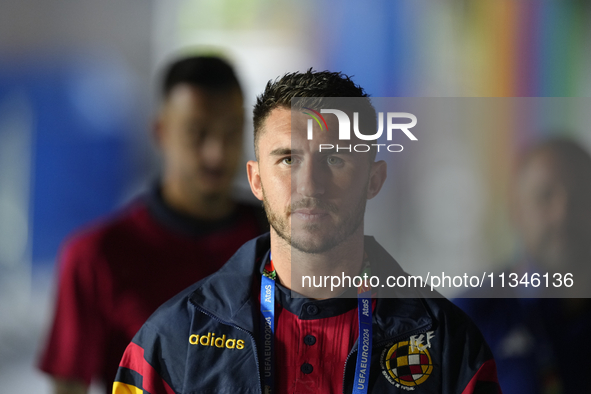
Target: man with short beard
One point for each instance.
(255, 327)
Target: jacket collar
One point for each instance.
(231, 295)
(183, 223)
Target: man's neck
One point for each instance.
(292, 265)
(191, 203)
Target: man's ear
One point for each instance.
(158, 131)
(254, 178)
(159, 127)
(377, 177)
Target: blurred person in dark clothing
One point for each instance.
(114, 273)
(540, 344)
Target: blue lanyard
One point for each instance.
(364, 343)
(268, 325)
(364, 306)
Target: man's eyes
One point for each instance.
(330, 160)
(333, 160)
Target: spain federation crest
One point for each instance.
(407, 364)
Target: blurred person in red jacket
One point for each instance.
(114, 273)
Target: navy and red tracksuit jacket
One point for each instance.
(206, 339)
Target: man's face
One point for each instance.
(554, 210)
(314, 200)
(200, 135)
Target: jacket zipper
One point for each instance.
(256, 351)
(395, 339)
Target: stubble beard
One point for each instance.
(329, 238)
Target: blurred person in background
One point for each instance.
(114, 273)
(540, 344)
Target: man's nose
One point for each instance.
(213, 151)
(309, 179)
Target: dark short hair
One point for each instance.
(566, 149)
(314, 85)
(208, 72)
